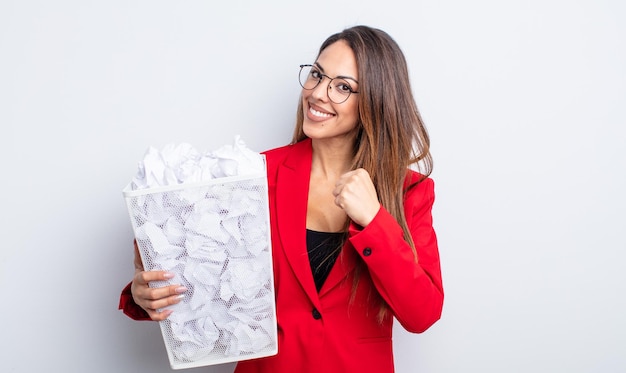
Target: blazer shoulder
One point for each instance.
(279, 152)
(417, 180)
(418, 189)
(277, 156)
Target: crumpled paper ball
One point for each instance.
(214, 237)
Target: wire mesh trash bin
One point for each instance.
(214, 237)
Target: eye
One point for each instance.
(343, 87)
(315, 74)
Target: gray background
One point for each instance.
(524, 101)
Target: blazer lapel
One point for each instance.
(292, 190)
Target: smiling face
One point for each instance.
(324, 119)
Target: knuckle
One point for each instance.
(156, 316)
(143, 276)
(153, 304)
(172, 300)
(148, 294)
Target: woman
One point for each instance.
(343, 193)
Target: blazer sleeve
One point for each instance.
(129, 307)
(411, 285)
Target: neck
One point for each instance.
(331, 159)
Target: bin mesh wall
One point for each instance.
(215, 239)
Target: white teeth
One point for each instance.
(319, 113)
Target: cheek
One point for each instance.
(304, 96)
(352, 111)
(306, 93)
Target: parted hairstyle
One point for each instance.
(391, 136)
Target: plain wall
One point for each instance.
(524, 101)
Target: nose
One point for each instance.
(320, 92)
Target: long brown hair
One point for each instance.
(391, 135)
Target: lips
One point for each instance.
(317, 113)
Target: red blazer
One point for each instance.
(327, 332)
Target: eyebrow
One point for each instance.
(338, 76)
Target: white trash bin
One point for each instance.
(215, 237)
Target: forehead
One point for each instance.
(338, 59)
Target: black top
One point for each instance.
(323, 249)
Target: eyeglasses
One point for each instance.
(338, 92)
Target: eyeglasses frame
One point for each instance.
(329, 82)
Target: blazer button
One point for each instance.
(367, 251)
(316, 314)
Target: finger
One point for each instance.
(159, 316)
(153, 294)
(141, 285)
(148, 276)
(160, 303)
(155, 299)
(337, 189)
(343, 179)
(338, 202)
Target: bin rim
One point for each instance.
(129, 192)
